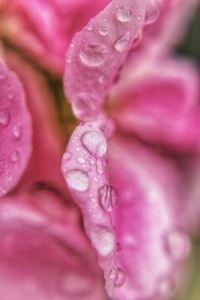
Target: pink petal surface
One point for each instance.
(85, 170)
(42, 257)
(15, 130)
(158, 102)
(21, 24)
(45, 127)
(151, 240)
(96, 53)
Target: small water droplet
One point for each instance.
(122, 43)
(77, 180)
(15, 156)
(152, 13)
(72, 44)
(93, 55)
(108, 197)
(81, 160)
(4, 117)
(120, 278)
(178, 244)
(17, 131)
(89, 27)
(124, 14)
(84, 106)
(95, 143)
(103, 30)
(69, 59)
(67, 156)
(102, 79)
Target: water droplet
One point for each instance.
(123, 42)
(93, 55)
(17, 131)
(89, 27)
(81, 160)
(15, 156)
(103, 30)
(4, 117)
(84, 107)
(120, 278)
(77, 180)
(104, 241)
(102, 79)
(69, 59)
(178, 244)
(72, 44)
(152, 13)
(67, 156)
(95, 143)
(124, 14)
(108, 197)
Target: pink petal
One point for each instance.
(45, 128)
(42, 258)
(15, 130)
(96, 53)
(159, 103)
(151, 241)
(22, 21)
(85, 170)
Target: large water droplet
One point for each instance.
(152, 13)
(4, 117)
(84, 107)
(123, 42)
(108, 197)
(104, 241)
(93, 55)
(77, 180)
(124, 14)
(17, 131)
(95, 143)
(178, 244)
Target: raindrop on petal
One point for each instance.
(77, 180)
(4, 117)
(152, 13)
(95, 143)
(93, 55)
(103, 30)
(124, 14)
(108, 197)
(123, 42)
(120, 277)
(104, 241)
(17, 131)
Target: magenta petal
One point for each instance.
(15, 130)
(151, 241)
(96, 53)
(42, 258)
(159, 103)
(85, 170)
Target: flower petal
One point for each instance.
(96, 53)
(15, 130)
(148, 232)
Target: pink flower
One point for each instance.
(117, 200)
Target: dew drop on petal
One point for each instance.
(124, 14)
(152, 13)
(178, 244)
(67, 156)
(104, 241)
(108, 197)
(103, 30)
(4, 117)
(15, 156)
(93, 55)
(81, 160)
(17, 131)
(122, 43)
(84, 106)
(120, 277)
(77, 180)
(89, 27)
(95, 143)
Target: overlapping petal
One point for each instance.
(15, 130)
